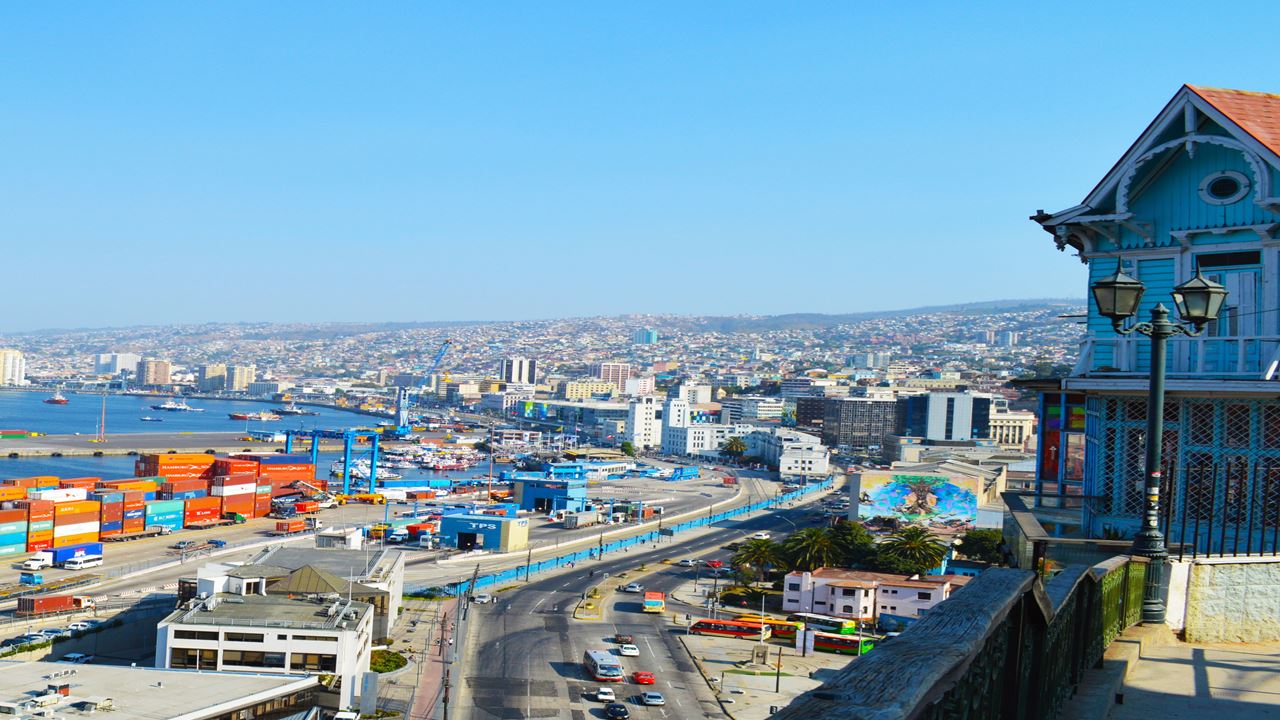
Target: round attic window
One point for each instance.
(1224, 188)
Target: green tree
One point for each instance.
(811, 548)
(734, 447)
(627, 448)
(759, 555)
(982, 545)
(916, 549)
(856, 546)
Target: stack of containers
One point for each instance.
(147, 485)
(135, 511)
(87, 483)
(59, 495)
(39, 524)
(13, 532)
(175, 466)
(112, 518)
(283, 470)
(262, 497)
(201, 510)
(235, 466)
(76, 522)
(9, 493)
(183, 490)
(164, 513)
(238, 493)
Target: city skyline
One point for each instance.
(423, 163)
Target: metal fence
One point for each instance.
(1005, 646)
(1227, 508)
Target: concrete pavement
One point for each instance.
(1182, 681)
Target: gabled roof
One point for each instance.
(1256, 113)
(311, 580)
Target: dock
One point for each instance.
(143, 443)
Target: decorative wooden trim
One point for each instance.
(1261, 175)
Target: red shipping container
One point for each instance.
(38, 545)
(8, 516)
(83, 484)
(112, 512)
(239, 504)
(76, 518)
(291, 526)
(133, 496)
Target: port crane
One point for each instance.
(403, 394)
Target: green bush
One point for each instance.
(384, 661)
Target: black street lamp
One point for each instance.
(1198, 301)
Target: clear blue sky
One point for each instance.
(186, 162)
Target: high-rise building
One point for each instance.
(645, 336)
(614, 372)
(115, 363)
(155, 373)
(644, 427)
(518, 370)
(960, 415)
(239, 377)
(870, 360)
(692, 394)
(1008, 338)
(750, 407)
(211, 378)
(861, 423)
(13, 367)
(636, 386)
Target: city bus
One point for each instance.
(602, 666)
(655, 602)
(731, 628)
(826, 623)
(782, 629)
(842, 644)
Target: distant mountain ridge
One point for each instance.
(812, 321)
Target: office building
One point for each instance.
(699, 439)
(518, 370)
(239, 377)
(116, 363)
(859, 423)
(870, 360)
(642, 385)
(644, 427)
(155, 373)
(740, 408)
(945, 416)
(693, 394)
(810, 387)
(1012, 429)
(793, 454)
(811, 413)
(266, 387)
(645, 336)
(211, 378)
(587, 389)
(614, 372)
(13, 367)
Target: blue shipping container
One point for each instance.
(107, 497)
(113, 525)
(13, 538)
(11, 550)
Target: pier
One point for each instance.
(140, 443)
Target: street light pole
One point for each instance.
(1198, 301)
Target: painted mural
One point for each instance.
(929, 500)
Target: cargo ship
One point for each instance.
(176, 406)
(57, 398)
(262, 416)
(292, 409)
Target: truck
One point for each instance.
(289, 527)
(57, 557)
(50, 604)
(581, 519)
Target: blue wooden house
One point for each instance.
(1199, 189)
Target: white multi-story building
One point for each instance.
(502, 402)
(518, 370)
(644, 427)
(1013, 428)
(239, 377)
(113, 363)
(795, 454)
(861, 595)
(699, 438)
(637, 386)
(807, 387)
(693, 394)
(13, 367)
(750, 407)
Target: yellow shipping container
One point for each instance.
(66, 540)
(75, 507)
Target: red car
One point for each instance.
(642, 678)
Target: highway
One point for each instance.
(524, 651)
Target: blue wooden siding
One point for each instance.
(1169, 194)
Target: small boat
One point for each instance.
(57, 398)
(148, 418)
(176, 406)
(292, 409)
(262, 416)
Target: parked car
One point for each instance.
(616, 711)
(642, 677)
(633, 588)
(629, 651)
(76, 658)
(218, 543)
(652, 698)
(52, 633)
(606, 694)
(82, 625)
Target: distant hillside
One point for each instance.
(816, 321)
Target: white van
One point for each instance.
(84, 562)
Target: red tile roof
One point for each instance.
(1256, 113)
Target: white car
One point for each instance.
(652, 698)
(82, 625)
(605, 694)
(761, 536)
(482, 598)
(633, 588)
(686, 563)
(629, 651)
(77, 658)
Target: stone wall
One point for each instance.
(1233, 600)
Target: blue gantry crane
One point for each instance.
(403, 394)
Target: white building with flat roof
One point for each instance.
(644, 427)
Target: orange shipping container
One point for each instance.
(203, 503)
(83, 483)
(75, 518)
(76, 507)
(12, 493)
(8, 516)
(66, 540)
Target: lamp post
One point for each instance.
(1198, 301)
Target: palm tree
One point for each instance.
(915, 548)
(759, 554)
(855, 544)
(734, 447)
(811, 548)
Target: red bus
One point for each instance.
(783, 629)
(731, 628)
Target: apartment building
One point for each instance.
(13, 367)
(239, 377)
(736, 409)
(865, 596)
(860, 423)
(155, 373)
(518, 370)
(613, 372)
(644, 427)
(211, 378)
(587, 389)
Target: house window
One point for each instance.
(194, 635)
(793, 587)
(1224, 188)
(252, 658)
(192, 658)
(242, 637)
(848, 610)
(313, 661)
(924, 596)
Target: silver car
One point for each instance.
(652, 698)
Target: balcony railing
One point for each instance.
(1005, 646)
(1246, 358)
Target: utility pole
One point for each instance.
(528, 564)
(777, 676)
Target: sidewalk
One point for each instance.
(1181, 680)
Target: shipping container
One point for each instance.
(290, 526)
(59, 495)
(79, 507)
(14, 538)
(36, 526)
(36, 545)
(8, 551)
(76, 519)
(81, 528)
(46, 604)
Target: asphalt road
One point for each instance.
(525, 651)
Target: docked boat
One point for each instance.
(176, 406)
(292, 409)
(148, 418)
(360, 470)
(57, 398)
(261, 416)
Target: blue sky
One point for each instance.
(189, 162)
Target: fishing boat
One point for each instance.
(176, 406)
(261, 416)
(292, 409)
(57, 398)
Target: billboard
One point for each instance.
(930, 500)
